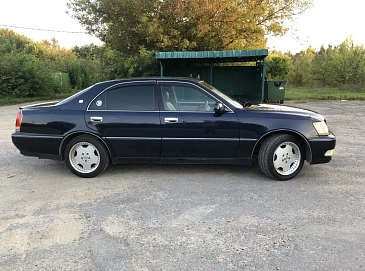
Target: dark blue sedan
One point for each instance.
(170, 120)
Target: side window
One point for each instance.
(131, 98)
(188, 94)
(186, 98)
(98, 103)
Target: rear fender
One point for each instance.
(70, 136)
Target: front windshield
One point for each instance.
(227, 98)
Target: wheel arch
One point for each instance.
(71, 136)
(303, 140)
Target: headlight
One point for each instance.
(321, 128)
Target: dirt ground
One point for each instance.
(186, 217)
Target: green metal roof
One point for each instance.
(215, 56)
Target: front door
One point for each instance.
(190, 128)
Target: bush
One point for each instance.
(61, 82)
(23, 75)
(278, 67)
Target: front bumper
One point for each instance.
(322, 148)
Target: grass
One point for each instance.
(322, 94)
(290, 94)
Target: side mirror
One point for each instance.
(219, 108)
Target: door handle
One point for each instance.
(171, 120)
(96, 119)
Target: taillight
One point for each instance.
(18, 121)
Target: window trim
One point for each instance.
(126, 84)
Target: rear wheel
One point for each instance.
(281, 157)
(86, 156)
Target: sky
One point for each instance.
(327, 22)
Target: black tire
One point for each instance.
(281, 157)
(86, 156)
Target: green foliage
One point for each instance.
(91, 66)
(134, 30)
(84, 73)
(61, 82)
(278, 67)
(23, 75)
(181, 25)
(11, 42)
(341, 66)
(300, 74)
(140, 65)
(322, 68)
(104, 63)
(28, 68)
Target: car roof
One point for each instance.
(157, 78)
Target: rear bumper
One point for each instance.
(41, 146)
(321, 149)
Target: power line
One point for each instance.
(45, 30)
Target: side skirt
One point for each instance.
(173, 160)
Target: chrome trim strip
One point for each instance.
(202, 138)
(38, 136)
(170, 138)
(105, 110)
(205, 112)
(156, 81)
(156, 111)
(146, 138)
(248, 139)
(133, 138)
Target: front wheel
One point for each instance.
(281, 157)
(86, 156)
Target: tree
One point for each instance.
(322, 67)
(14, 42)
(348, 63)
(278, 66)
(300, 75)
(185, 25)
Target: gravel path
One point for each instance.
(186, 217)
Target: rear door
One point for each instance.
(190, 128)
(127, 115)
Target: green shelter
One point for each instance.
(239, 73)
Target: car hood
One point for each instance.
(288, 110)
